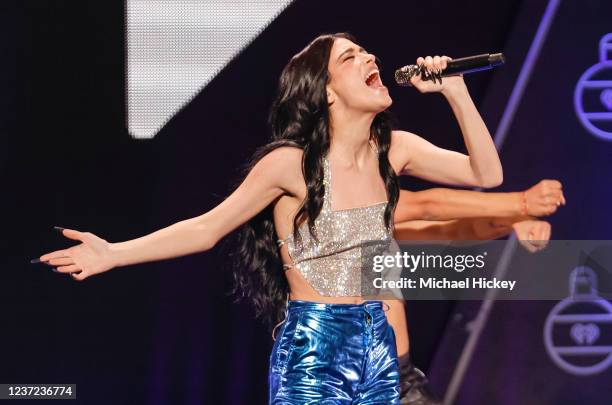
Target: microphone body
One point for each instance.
(468, 64)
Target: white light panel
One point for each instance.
(176, 47)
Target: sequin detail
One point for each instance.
(333, 266)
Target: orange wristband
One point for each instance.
(524, 203)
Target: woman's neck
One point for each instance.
(350, 140)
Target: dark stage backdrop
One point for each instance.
(167, 332)
(561, 130)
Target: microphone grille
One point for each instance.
(403, 75)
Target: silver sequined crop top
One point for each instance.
(333, 266)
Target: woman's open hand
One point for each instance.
(433, 66)
(91, 256)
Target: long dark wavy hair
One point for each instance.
(299, 117)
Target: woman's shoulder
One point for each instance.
(284, 163)
(399, 137)
(400, 150)
(287, 153)
(284, 158)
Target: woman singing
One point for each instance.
(325, 184)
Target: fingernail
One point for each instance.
(55, 270)
(58, 228)
(35, 261)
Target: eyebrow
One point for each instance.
(349, 50)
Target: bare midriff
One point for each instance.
(301, 290)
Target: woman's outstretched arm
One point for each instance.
(272, 176)
(418, 157)
(532, 233)
(443, 204)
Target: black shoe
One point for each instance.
(413, 390)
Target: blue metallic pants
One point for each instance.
(334, 354)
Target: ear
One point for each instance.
(331, 96)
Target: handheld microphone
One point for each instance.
(468, 64)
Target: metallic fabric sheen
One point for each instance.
(334, 354)
(333, 266)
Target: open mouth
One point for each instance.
(373, 80)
